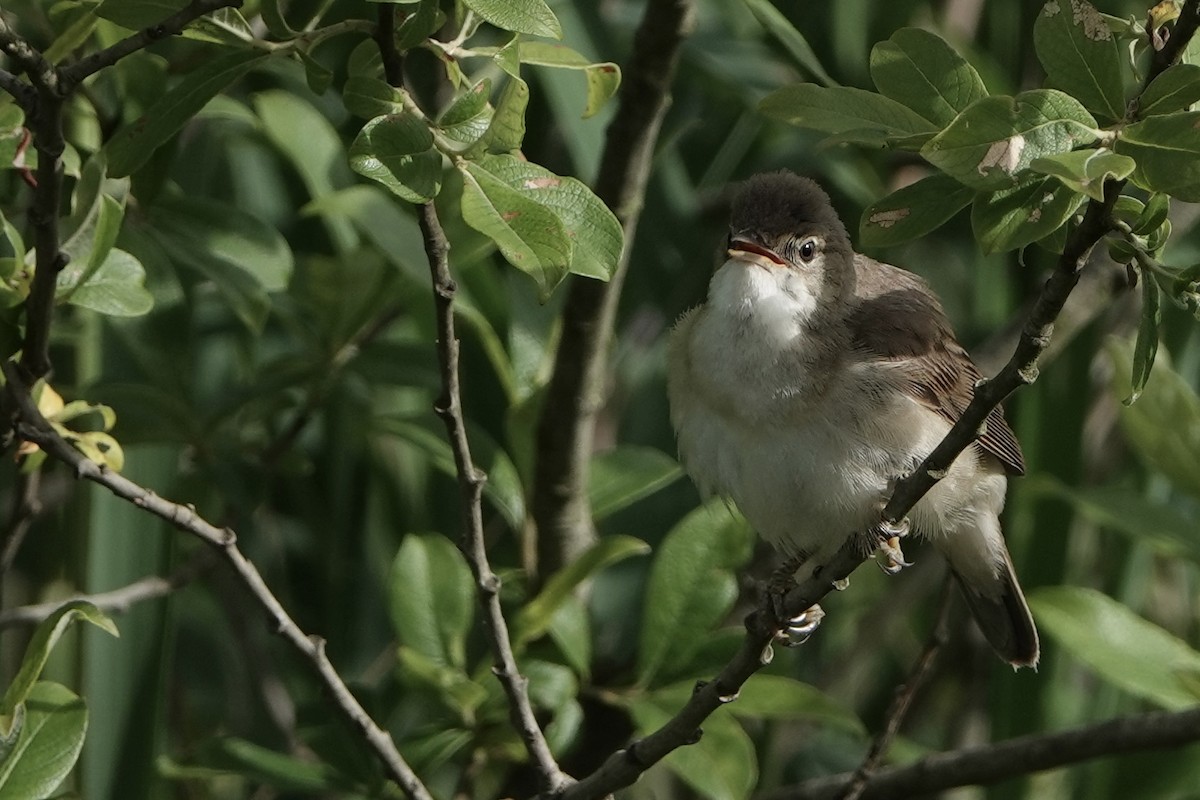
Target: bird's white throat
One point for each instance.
(773, 302)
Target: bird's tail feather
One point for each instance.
(1003, 617)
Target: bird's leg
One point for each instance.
(793, 631)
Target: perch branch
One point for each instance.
(470, 481)
(559, 501)
(33, 427)
(991, 763)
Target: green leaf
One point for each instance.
(522, 16)
(917, 68)
(89, 246)
(1175, 89)
(603, 78)
(1118, 508)
(49, 744)
(507, 131)
(318, 76)
(1126, 650)
(1147, 337)
(536, 617)
(1085, 170)
(1012, 218)
(274, 769)
(369, 97)
(1081, 56)
(133, 145)
(1167, 151)
(531, 236)
(397, 151)
(721, 766)
(419, 25)
(842, 110)
(627, 473)
(691, 587)
(43, 641)
(775, 697)
(453, 685)
(792, 40)
(990, 143)
(1152, 216)
(913, 211)
(116, 288)
(432, 598)
(1164, 425)
(571, 631)
(467, 119)
(593, 232)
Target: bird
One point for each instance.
(813, 377)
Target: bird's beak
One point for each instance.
(750, 253)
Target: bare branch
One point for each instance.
(564, 442)
(903, 700)
(991, 763)
(470, 481)
(23, 93)
(117, 601)
(84, 68)
(33, 427)
(30, 60)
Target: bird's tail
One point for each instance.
(1003, 616)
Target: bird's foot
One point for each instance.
(797, 630)
(888, 554)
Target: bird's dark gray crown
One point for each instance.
(774, 203)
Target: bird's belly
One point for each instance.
(804, 488)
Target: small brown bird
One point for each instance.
(813, 377)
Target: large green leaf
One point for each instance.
(133, 145)
(917, 68)
(507, 131)
(538, 614)
(1085, 171)
(49, 743)
(1136, 655)
(1080, 54)
(1146, 345)
(913, 211)
(625, 474)
(369, 97)
(792, 40)
(521, 16)
(603, 78)
(44, 638)
(996, 138)
(1175, 89)
(691, 587)
(1016, 216)
(842, 110)
(722, 765)
(467, 119)
(775, 697)
(432, 598)
(397, 151)
(531, 236)
(1167, 151)
(116, 288)
(593, 232)
(1164, 424)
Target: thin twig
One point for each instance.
(471, 481)
(903, 699)
(28, 58)
(559, 504)
(79, 71)
(998, 761)
(22, 92)
(116, 601)
(33, 427)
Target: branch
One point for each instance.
(987, 764)
(903, 700)
(559, 501)
(33, 427)
(28, 58)
(171, 26)
(117, 601)
(470, 481)
(22, 92)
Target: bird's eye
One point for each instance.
(808, 250)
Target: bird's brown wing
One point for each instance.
(897, 318)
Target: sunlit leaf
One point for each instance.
(521, 16)
(1175, 89)
(1085, 170)
(1014, 217)
(602, 78)
(432, 598)
(55, 721)
(397, 151)
(917, 68)
(842, 110)
(1167, 151)
(1080, 55)
(913, 211)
